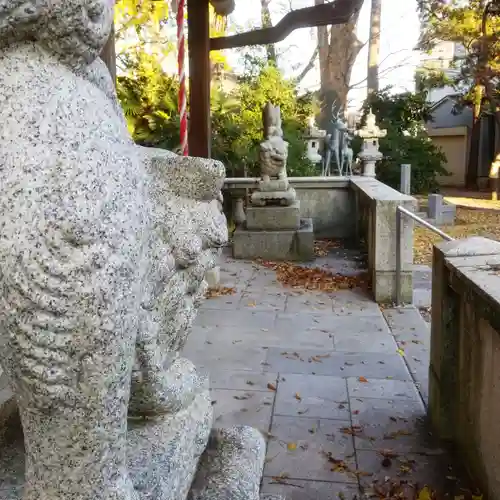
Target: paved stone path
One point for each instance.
(330, 379)
(336, 385)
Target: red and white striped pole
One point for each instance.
(182, 77)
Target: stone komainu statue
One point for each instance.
(104, 246)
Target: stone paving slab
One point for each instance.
(331, 323)
(430, 469)
(333, 361)
(311, 441)
(242, 380)
(364, 342)
(303, 302)
(412, 335)
(251, 408)
(264, 300)
(312, 396)
(270, 337)
(339, 364)
(294, 489)
(381, 389)
(226, 355)
(254, 318)
(395, 425)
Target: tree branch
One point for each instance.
(309, 66)
(339, 12)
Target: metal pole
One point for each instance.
(424, 223)
(399, 257)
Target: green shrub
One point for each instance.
(403, 116)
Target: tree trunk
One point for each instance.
(374, 47)
(338, 48)
(108, 54)
(265, 15)
(475, 141)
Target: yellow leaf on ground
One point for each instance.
(424, 494)
(291, 446)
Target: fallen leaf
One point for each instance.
(297, 397)
(271, 387)
(291, 446)
(243, 396)
(424, 494)
(362, 379)
(219, 292)
(309, 278)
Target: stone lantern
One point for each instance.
(370, 153)
(315, 142)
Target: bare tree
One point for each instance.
(374, 46)
(338, 47)
(265, 16)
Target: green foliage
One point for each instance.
(239, 132)
(462, 22)
(403, 117)
(149, 99)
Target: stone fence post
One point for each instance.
(405, 184)
(378, 203)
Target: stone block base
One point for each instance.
(283, 198)
(271, 218)
(275, 245)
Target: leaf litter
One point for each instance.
(219, 291)
(295, 276)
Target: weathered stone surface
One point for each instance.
(231, 467)
(103, 256)
(273, 188)
(273, 218)
(275, 245)
(273, 198)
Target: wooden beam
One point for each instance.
(338, 12)
(199, 137)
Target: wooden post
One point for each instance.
(198, 14)
(108, 54)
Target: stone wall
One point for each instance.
(375, 208)
(464, 375)
(328, 201)
(358, 208)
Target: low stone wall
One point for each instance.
(464, 375)
(328, 201)
(375, 205)
(358, 208)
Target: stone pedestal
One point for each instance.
(265, 195)
(295, 244)
(274, 218)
